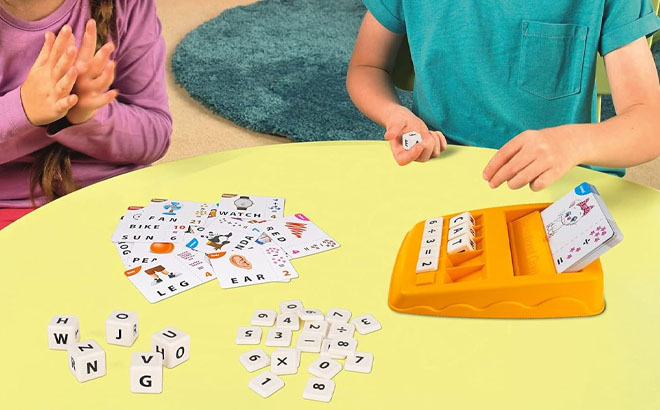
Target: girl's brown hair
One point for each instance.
(51, 169)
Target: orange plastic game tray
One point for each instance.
(510, 274)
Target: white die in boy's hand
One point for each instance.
(410, 139)
(401, 121)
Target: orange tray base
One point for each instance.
(510, 274)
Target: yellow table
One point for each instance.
(59, 260)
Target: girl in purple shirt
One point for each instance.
(82, 96)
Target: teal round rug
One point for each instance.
(279, 67)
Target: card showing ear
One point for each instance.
(252, 266)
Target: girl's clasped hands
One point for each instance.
(69, 82)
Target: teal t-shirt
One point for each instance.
(486, 71)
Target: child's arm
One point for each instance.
(96, 75)
(370, 87)
(136, 126)
(44, 97)
(14, 125)
(630, 138)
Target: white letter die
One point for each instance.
(86, 360)
(121, 328)
(63, 331)
(173, 345)
(146, 372)
(410, 139)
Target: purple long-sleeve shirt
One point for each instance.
(132, 131)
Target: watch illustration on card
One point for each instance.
(243, 203)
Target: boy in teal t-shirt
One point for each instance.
(513, 75)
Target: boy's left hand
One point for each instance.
(97, 74)
(537, 158)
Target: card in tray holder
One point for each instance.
(579, 228)
(510, 274)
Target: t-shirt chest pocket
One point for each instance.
(552, 59)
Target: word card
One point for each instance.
(250, 206)
(252, 266)
(297, 235)
(579, 228)
(170, 246)
(220, 236)
(131, 228)
(176, 212)
(162, 269)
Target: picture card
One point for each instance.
(149, 232)
(131, 229)
(252, 266)
(160, 270)
(243, 223)
(125, 250)
(579, 228)
(250, 207)
(220, 236)
(297, 235)
(166, 211)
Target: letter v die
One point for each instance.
(146, 373)
(121, 328)
(87, 360)
(173, 346)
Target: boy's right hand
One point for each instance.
(400, 121)
(46, 92)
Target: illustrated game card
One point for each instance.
(579, 228)
(131, 216)
(162, 269)
(252, 266)
(125, 250)
(250, 207)
(149, 232)
(221, 236)
(297, 235)
(242, 223)
(131, 229)
(165, 211)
